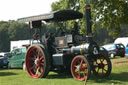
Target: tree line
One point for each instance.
(108, 19)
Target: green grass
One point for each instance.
(119, 76)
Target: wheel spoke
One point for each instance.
(96, 62)
(33, 51)
(81, 62)
(75, 66)
(41, 58)
(79, 75)
(39, 54)
(104, 69)
(105, 64)
(85, 76)
(36, 53)
(41, 69)
(42, 63)
(102, 60)
(37, 70)
(32, 67)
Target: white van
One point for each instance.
(122, 40)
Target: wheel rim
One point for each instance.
(79, 68)
(100, 67)
(35, 61)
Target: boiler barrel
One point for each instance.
(81, 49)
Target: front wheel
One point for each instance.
(80, 68)
(101, 66)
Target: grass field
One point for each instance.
(119, 76)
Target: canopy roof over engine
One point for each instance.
(62, 15)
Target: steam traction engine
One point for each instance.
(68, 52)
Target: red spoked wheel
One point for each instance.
(37, 62)
(101, 66)
(80, 68)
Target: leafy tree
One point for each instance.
(101, 35)
(18, 31)
(110, 12)
(12, 30)
(4, 37)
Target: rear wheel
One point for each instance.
(101, 66)
(37, 61)
(80, 68)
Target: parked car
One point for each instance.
(115, 50)
(17, 58)
(3, 62)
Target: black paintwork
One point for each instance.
(62, 15)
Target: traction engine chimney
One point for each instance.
(87, 9)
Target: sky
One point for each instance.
(14, 9)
